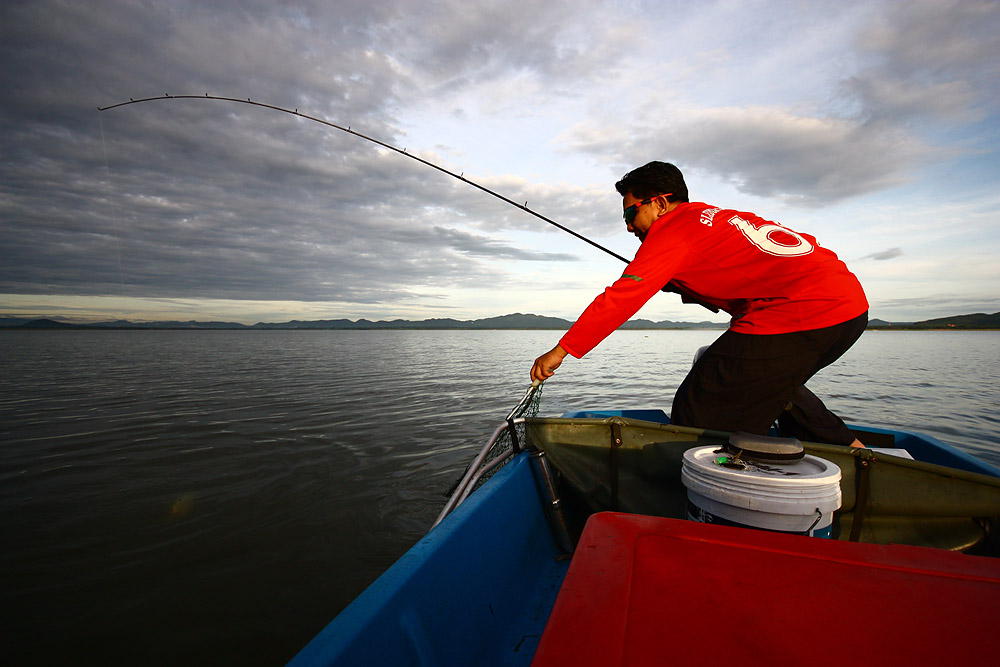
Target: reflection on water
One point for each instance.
(217, 496)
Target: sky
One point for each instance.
(874, 126)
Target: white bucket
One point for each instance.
(798, 497)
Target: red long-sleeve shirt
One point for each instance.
(771, 279)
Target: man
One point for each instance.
(795, 308)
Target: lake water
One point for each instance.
(216, 497)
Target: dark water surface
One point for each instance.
(216, 497)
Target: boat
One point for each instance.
(570, 541)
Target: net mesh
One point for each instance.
(528, 407)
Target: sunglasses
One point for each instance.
(633, 210)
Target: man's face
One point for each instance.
(645, 214)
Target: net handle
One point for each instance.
(529, 395)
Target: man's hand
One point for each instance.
(547, 364)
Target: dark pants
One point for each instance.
(744, 382)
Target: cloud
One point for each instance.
(917, 65)
(770, 152)
(456, 49)
(545, 103)
(203, 199)
(885, 254)
(927, 60)
(481, 246)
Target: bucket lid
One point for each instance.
(751, 446)
(808, 483)
(806, 472)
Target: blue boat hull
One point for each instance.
(476, 590)
(479, 587)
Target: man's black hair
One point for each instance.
(655, 178)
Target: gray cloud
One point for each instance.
(919, 63)
(927, 61)
(480, 246)
(809, 161)
(455, 47)
(891, 253)
(208, 199)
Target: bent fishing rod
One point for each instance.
(348, 130)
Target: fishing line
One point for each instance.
(348, 130)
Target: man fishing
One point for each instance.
(795, 309)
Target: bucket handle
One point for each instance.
(819, 515)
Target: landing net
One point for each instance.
(507, 441)
(511, 440)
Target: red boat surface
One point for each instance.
(645, 590)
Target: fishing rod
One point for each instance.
(348, 130)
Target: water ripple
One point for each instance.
(175, 481)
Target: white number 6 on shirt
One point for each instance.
(762, 238)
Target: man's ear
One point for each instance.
(662, 205)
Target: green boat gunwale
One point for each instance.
(618, 463)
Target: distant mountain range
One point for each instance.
(514, 321)
(973, 321)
